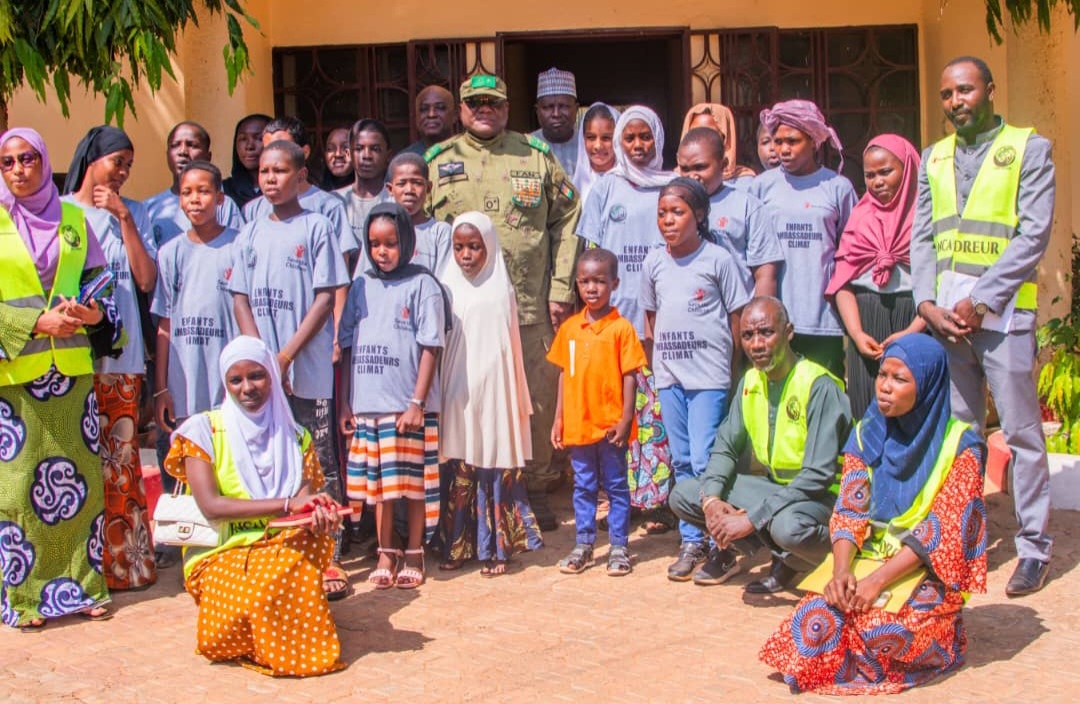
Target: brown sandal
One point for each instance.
(335, 582)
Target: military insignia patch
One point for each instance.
(1004, 156)
(491, 204)
(452, 172)
(70, 236)
(527, 191)
(793, 409)
(567, 191)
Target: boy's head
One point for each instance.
(281, 170)
(597, 277)
(187, 142)
(200, 192)
(408, 181)
(701, 157)
(370, 149)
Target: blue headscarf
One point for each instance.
(902, 451)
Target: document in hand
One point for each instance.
(955, 287)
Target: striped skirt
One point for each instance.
(385, 465)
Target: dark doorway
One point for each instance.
(620, 67)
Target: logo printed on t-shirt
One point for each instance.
(299, 251)
(722, 221)
(402, 321)
(228, 273)
(296, 261)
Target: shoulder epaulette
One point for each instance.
(539, 144)
(434, 151)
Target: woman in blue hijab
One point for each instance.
(910, 505)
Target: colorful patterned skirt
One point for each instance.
(51, 499)
(264, 605)
(488, 514)
(820, 649)
(129, 550)
(648, 458)
(385, 465)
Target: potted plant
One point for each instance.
(1059, 380)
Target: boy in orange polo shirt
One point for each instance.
(599, 354)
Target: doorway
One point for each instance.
(619, 67)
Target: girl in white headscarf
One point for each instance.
(484, 439)
(596, 147)
(246, 463)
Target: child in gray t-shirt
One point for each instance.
(193, 303)
(392, 331)
(409, 181)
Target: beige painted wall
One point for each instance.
(1033, 85)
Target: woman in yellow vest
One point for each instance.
(259, 591)
(910, 520)
(51, 495)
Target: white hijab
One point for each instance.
(485, 396)
(653, 175)
(264, 444)
(584, 176)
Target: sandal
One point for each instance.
(411, 577)
(97, 613)
(494, 568)
(451, 565)
(618, 561)
(579, 559)
(658, 521)
(335, 582)
(383, 577)
(33, 625)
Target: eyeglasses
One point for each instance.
(480, 101)
(27, 159)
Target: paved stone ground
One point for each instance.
(538, 635)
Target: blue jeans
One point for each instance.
(691, 419)
(600, 463)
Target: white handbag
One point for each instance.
(178, 521)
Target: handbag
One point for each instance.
(178, 521)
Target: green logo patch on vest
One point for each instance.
(70, 236)
(1004, 156)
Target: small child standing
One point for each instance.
(692, 294)
(599, 354)
(392, 331)
(193, 303)
(409, 182)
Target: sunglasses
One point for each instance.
(27, 159)
(480, 101)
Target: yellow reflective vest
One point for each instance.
(241, 531)
(20, 287)
(784, 454)
(970, 243)
(885, 537)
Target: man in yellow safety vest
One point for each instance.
(982, 223)
(795, 418)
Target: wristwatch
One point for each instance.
(980, 307)
(417, 402)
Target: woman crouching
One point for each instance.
(259, 591)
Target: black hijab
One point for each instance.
(693, 192)
(98, 142)
(240, 186)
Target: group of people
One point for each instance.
(422, 331)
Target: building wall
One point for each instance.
(1033, 85)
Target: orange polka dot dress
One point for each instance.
(263, 604)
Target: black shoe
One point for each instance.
(545, 517)
(690, 556)
(780, 575)
(1028, 578)
(720, 566)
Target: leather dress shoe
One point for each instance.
(780, 575)
(1028, 578)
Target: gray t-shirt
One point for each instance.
(280, 266)
(168, 220)
(356, 212)
(810, 213)
(746, 229)
(433, 240)
(316, 200)
(385, 323)
(193, 293)
(107, 228)
(693, 297)
(621, 217)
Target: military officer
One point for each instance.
(514, 179)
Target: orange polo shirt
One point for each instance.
(594, 357)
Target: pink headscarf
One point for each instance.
(804, 116)
(878, 235)
(37, 216)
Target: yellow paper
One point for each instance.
(898, 592)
